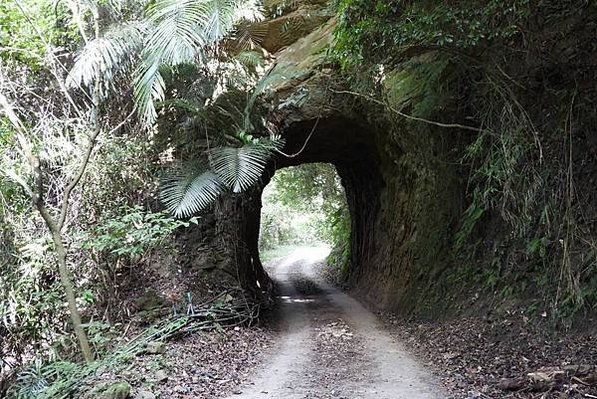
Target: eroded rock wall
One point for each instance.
(404, 201)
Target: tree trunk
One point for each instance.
(69, 291)
(238, 222)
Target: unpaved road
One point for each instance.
(331, 346)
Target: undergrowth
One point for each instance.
(63, 379)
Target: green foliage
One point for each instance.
(470, 219)
(188, 190)
(105, 58)
(22, 23)
(131, 232)
(368, 29)
(476, 63)
(304, 204)
(31, 299)
(240, 168)
(172, 33)
(62, 379)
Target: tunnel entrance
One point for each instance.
(305, 206)
(343, 151)
(403, 207)
(346, 145)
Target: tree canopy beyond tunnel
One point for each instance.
(304, 205)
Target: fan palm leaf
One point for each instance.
(181, 30)
(186, 192)
(176, 36)
(240, 168)
(248, 35)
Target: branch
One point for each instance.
(83, 166)
(36, 197)
(47, 47)
(296, 154)
(407, 116)
(73, 183)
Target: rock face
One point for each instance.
(403, 202)
(404, 178)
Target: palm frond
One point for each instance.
(248, 35)
(149, 89)
(240, 168)
(180, 31)
(221, 14)
(102, 58)
(176, 36)
(186, 192)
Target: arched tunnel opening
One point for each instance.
(305, 206)
(350, 147)
(403, 207)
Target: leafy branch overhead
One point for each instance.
(172, 33)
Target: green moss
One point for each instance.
(118, 390)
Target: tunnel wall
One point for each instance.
(403, 204)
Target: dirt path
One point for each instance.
(332, 346)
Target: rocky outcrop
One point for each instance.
(402, 202)
(411, 198)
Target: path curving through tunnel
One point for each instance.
(331, 346)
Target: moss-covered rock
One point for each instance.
(118, 390)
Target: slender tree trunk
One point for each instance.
(54, 225)
(69, 291)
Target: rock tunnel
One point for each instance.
(387, 260)
(403, 203)
(343, 143)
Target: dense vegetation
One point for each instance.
(128, 126)
(500, 70)
(304, 205)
